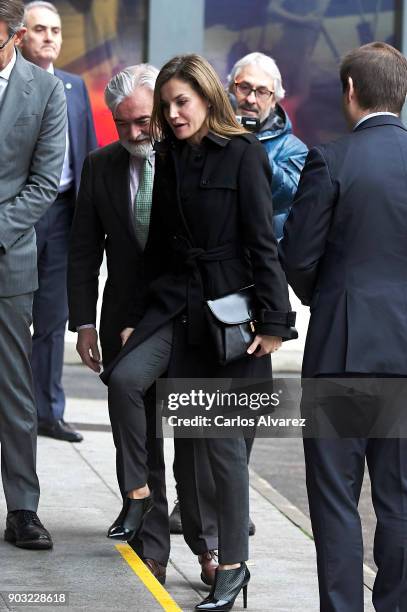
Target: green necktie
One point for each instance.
(142, 204)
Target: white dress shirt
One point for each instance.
(67, 176)
(5, 75)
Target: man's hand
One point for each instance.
(125, 334)
(87, 347)
(266, 344)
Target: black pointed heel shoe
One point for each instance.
(130, 518)
(227, 586)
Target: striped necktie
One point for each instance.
(142, 204)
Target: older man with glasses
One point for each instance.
(255, 82)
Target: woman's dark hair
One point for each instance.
(379, 75)
(199, 74)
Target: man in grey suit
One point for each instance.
(32, 146)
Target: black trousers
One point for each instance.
(357, 419)
(199, 523)
(153, 539)
(50, 307)
(334, 475)
(128, 385)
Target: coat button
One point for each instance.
(204, 182)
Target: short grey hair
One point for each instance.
(123, 84)
(267, 64)
(40, 4)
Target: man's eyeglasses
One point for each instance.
(2, 45)
(261, 93)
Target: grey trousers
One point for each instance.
(128, 383)
(18, 415)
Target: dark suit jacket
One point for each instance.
(102, 222)
(345, 251)
(82, 137)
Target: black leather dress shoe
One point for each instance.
(175, 519)
(159, 571)
(25, 530)
(130, 518)
(60, 431)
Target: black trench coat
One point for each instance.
(227, 244)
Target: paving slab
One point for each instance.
(79, 500)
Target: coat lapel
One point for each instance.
(17, 93)
(212, 164)
(117, 182)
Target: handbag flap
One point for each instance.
(234, 308)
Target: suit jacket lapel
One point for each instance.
(117, 181)
(17, 92)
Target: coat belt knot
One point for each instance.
(192, 257)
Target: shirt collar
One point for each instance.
(366, 117)
(5, 73)
(50, 69)
(138, 161)
(160, 146)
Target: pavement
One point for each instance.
(80, 499)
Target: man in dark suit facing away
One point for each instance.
(108, 219)
(345, 254)
(32, 128)
(41, 45)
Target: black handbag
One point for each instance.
(231, 324)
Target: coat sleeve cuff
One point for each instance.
(274, 323)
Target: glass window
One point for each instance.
(100, 38)
(307, 38)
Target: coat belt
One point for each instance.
(192, 258)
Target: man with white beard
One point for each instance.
(112, 216)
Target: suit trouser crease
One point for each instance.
(334, 476)
(128, 383)
(153, 539)
(198, 510)
(18, 417)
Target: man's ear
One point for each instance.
(19, 37)
(350, 91)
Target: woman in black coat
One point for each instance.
(210, 235)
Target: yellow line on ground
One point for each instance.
(155, 588)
